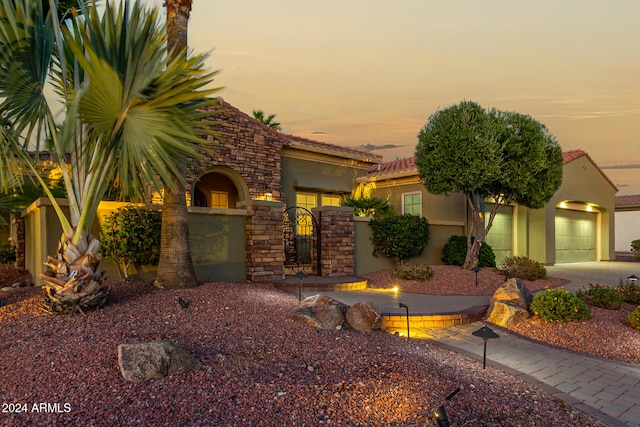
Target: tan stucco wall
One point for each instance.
(627, 229)
(365, 262)
(583, 183)
(217, 239)
(319, 173)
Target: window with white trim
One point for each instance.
(412, 203)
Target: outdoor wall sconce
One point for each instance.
(406, 308)
(486, 333)
(300, 275)
(476, 270)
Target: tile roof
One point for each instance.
(406, 167)
(394, 169)
(308, 144)
(628, 200)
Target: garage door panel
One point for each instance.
(576, 238)
(500, 236)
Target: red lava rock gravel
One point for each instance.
(259, 368)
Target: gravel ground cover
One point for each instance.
(259, 368)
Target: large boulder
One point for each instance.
(154, 360)
(365, 317)
(513, 291)
(320, 311)
(506, 314)
(509, 304)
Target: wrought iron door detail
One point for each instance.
(301, 237)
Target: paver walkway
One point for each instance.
(606, 389)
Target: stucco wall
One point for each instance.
(583, 183)
(365, 262)
(627, 229)
(317, 173)
(217, 239)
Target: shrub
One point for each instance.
(601, 296)
(7, 253)
(399, 237)
(558, 305)
(630, 293)
(635, 248)
(523, 268)
(455, 252)
(131, 235)
(413, 272)
(633, 319)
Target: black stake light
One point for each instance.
(476, 270)
(486, 333)
(300, 275)
(406, 308)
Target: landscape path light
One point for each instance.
(486, 333)
(631, 280)
(476, 270)
(406, 308)
(300, 275)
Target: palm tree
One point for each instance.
(130, 117)
(175, 269)
(269, 120)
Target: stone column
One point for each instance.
(19, 240)
(264, 240)
(336, 244)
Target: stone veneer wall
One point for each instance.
(246, 146)
(336, 240)
(19, 240)
(264, 242)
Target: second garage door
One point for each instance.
(576, 236)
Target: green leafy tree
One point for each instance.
(267, 120)
(399, 237)
(505, 156)
(130, 236)
(131, 116)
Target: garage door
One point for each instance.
(500, 236)
(576, 238)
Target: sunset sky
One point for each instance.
(369, 73)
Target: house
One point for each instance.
(237, 197)
(627, 224)
(576, 225)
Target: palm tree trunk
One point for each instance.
(72, 281)
(175, 270)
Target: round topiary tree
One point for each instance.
(399, 237)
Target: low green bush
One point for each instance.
(455, 252)
(558, 305)
(523, 268)
(635, 248)
(399, 237)
(7, 253)
(633, 319)
(131, 235)
(601, 296)
(413, 272)
(630, 293)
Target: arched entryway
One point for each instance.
(219, 188)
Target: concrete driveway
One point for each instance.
(581, 274)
